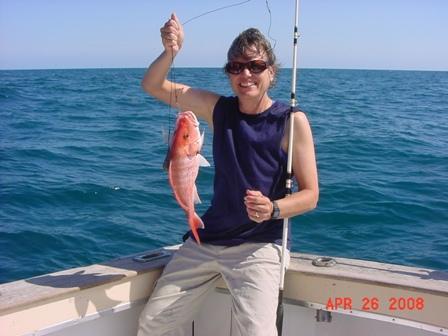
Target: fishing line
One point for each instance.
(172, 91)
(216, 10)
(268, 8)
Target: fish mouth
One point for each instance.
(190, 116)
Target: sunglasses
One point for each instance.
(255, 67)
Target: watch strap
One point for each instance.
(275, 211)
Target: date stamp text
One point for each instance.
(373, 304)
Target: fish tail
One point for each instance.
(195, 223)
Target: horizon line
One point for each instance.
(219, 67)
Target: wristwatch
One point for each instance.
(275, 211)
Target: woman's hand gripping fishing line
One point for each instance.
(172, 34)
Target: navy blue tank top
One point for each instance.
(247, 155)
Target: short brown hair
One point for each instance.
(252, 37)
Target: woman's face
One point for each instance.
(249, 84)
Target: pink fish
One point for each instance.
(183, 161)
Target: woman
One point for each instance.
(241, 241)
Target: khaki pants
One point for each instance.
(251, 272)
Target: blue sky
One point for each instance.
(362, 34)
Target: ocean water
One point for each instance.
(81, 177)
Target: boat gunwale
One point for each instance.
(124, 269)
(13, 298)
(391, 275)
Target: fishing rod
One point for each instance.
(289, 175)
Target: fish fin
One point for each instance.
(196, 198)
(195, 223)
(195, 147)
(198, 221)
(203, 161)
(202, 139)
(168, 138)
(166, 162)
